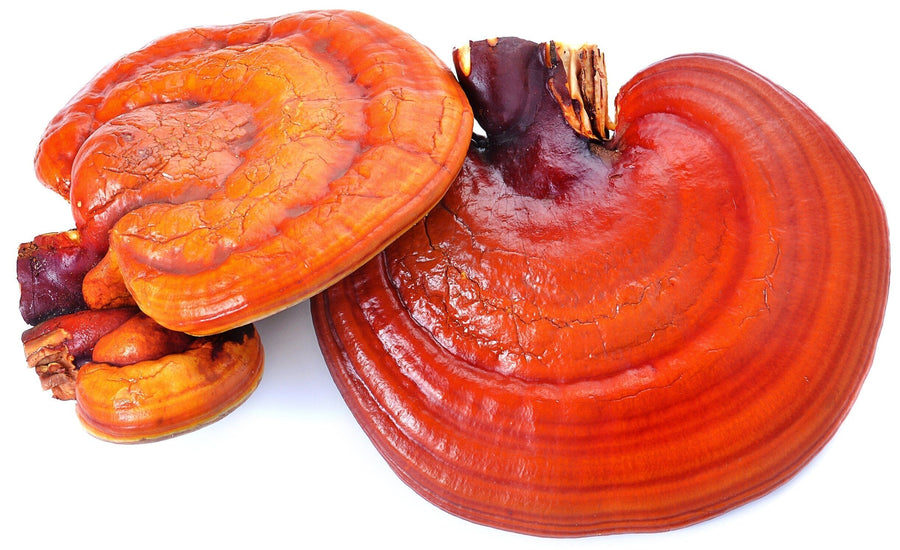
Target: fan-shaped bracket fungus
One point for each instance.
(592, 335)
(222, 174)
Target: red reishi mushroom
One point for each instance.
(592, 335)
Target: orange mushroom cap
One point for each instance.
(164, 395)
(234, 171)
(134, 380)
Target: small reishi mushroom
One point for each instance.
(222, 174)
(134, 380)
(592, 335)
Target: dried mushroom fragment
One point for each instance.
(58, 346)
(592, 336)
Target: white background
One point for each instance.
(291, 466)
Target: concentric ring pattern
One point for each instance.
(674, 335)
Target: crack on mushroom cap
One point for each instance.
(499, 321)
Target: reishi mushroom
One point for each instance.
(222, 174)
(594, 334)
(134, 380)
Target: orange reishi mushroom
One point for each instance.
(591, 336)
(235, 171)
(217, 176)
(134, 380)
(170, 394)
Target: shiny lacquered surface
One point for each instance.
(630, 336)
(167, 394)
(134, 380)
(236, 170)
(831, 62)
(217, 176)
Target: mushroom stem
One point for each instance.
(50, 270)
(542, 142)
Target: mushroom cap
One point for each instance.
(163, 396)
(137, 381)
(234, 171)
(674, 332)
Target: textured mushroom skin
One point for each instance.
(134, 380)
(588, 338)
(56, 348)
(217, 176)
(50, 270)
(230, 172)
(166, 394)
